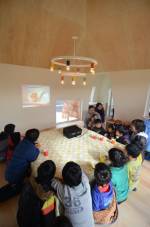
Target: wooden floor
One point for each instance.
(133, 213)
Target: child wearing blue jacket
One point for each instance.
(103, 196)
(25, 153)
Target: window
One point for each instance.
(110, 105)
(147, 105)
(35, 95)
(92, 95)
(68, 110)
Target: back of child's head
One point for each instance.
(121, 130)
(16, 137)
(3, 136)
(32, 135)
(45, 173)
(139, 125)
(9, 129)
(97, 123)
(117, 157)
(140, 141)
(102, 174)
(133, 150)
(72, 174)
(62, 221)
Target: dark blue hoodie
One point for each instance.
(24, 154)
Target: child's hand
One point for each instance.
(38, 145)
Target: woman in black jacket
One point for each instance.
(100, 109)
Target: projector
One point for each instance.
(72, 131)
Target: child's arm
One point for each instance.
(95, 202)
(85, 178)
(58, 186)
(32, 156)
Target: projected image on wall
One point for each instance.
(35, 95)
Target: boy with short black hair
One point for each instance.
(98, 127)
(37, 202)
(134, 165)
(110, 131)
(122, 135)
(9, 129)
(75, 195)
(9, 141)
(103, 196)
(24, 153)
(138, 132)
(119, 172)
(16, 171)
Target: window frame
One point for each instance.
(147, 104)
(70, 121)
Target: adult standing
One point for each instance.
(100, 110)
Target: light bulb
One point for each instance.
(92, 68)
(92, 71)
(51, 68)
(84, 83)
(73, 82)
(67, 65)
(62, 80)
(59, 71)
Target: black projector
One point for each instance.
(72, 131)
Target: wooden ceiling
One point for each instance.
(115, 32)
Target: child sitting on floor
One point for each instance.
(37, 202)
(75, 195)
(110, 133)
(134, 165)
(90, 114)
(98, 127)
(138, 134)
(11, 139)
(91, 121)
(3, 146)
(17, 169)
(103, 196)
(119, 172)
(122, 135)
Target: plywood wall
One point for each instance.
(115, 32)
